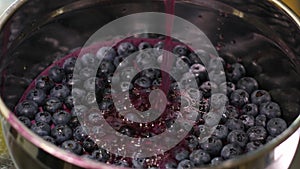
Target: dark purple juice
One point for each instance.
(241, 52)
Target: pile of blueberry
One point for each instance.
(250, 118)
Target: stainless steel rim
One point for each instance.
(85, 163)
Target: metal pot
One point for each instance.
(34, 33)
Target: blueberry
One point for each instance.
(260, 96)
(181, 154)
(57, 74)
(43, 117)
(69, 102)
(270, 138)
(191, 142)
(41, 128)
(248, 120)
(158, 47)
(72, 146)
(251, 146)
(239, 98)
(105, 105)
(44, 83)
(36, 95)
(60, 91)
(144, 45)
(230, 112)
(100, 155)
(169, 164)
(126, 48)
(61, 117)
(69, 65)
(25, 120)
(106, 67)
(122, 163)
(261, 120)
(27, 108)
(80, 133)
(151, 73)
(185, 164)
(248, 84)
(139, 162)
(201, 129)
(250, 109)
(88, 60)
(61, 133)
(199, 157)
(235, 72)
(128, 131)
(52, 104)
(212, 146)
(207, 87)
(74, 122)
(237, 137)
(220, 131)
(231, 150)
(70, 80)
(257, 133)
(235, 124)
(106, 53)
(276, 126)
(227, 88)
(270, 109)
(199, 71)
(49, 139)
(143, 82)
(216, 161)
(144, 59)
(89, 145)
(180, 50)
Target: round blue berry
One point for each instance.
(126, 48)
(61, 117)
(250, 109)
(248, 120)
(235, 72)
(200, 157)
(248, 84)
(185, 164)
(61, 133)
(100, 155)
(43, 117)
(52, 104)
(251, 146)
(220, 131)
(106, 53)
(239, 98)
(260, 96)
(276, 126)
(231, 150)
(257, 133)
(44, 83)
(26, 108)
(72, 146)
(41, 128)
(212, 145)
(36, 95)
(237, 137)
(25, 120)
(144, 45)
(57, 74)
(270, 109)
(216, 161)
(235, 124)
(60, 91)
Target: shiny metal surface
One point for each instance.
(35, 33)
